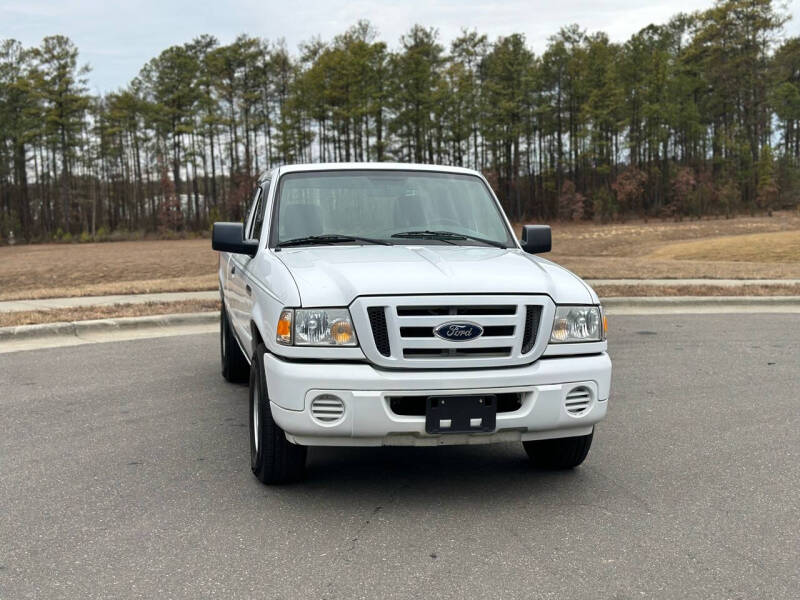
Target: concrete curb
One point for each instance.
(701, 304)
(700, 282)
(125, 299)
(106, 326)
(7, 306)
(700, 300)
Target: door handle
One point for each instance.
(233, 269)
(248, 289)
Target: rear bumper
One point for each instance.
(369, 421)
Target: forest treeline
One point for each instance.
(698, 116)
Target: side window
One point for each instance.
(258, 216)
(248, 218)
(254, 223)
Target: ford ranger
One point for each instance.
(391, 304)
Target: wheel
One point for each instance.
(560, 453)
(273, 458)
(234, 364)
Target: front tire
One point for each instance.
(560, 453)
(273, 458)
(234, 364)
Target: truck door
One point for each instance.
(239, 273)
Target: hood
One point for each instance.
(336, 275)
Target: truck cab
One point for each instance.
(372, 304)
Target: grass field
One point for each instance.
(61, 270)
(739, 248)
(83, 313)
(615, 291)
(743, 247)
(775, 247)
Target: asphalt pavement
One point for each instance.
(124, 473)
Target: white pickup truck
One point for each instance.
(391, 304)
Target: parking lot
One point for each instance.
(124, 472)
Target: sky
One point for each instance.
(117, 38)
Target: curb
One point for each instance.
(79, 328)
(626, 301)
(696, 281)
(701, 304)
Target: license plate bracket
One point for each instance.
(461, 414)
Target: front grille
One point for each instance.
(488, 331)
(377, 320)
(455, 352)
(402, 330)
(532, 317)
(455, 311)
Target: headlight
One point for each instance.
(578, 324)
(316, 327)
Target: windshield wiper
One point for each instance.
(311, 240)
(446, 236)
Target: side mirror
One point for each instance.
(229, 237)
(536, 239)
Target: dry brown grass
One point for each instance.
(776, 247)
(611, 291)
(85, 313)
(637, 238)
(593, 267)
(742, 247)
(146, 286)
(642, 250)
(61, 270)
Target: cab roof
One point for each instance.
(371, 166)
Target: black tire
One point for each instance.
(234, 364)
(560, 453)
(273, 458)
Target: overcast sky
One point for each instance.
(117, 38)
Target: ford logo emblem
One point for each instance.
(458, 331)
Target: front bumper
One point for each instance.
(369, 421)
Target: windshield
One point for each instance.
(415, 207)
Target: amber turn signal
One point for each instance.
(342, 332)
(284, 329)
